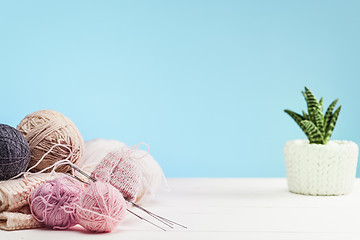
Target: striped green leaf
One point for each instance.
(303, 93)
(329, 113)
(305, 116)
(315, 110)
(297, 118)
(317, 127)
(313, 133)
(321, 103)
(331, 125)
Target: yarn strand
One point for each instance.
(163, 220)
(42, 158)
(43, 129)
(53, 203)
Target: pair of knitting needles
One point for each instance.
(161, 219)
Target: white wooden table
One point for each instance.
(232, 209)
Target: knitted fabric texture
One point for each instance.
(16, 221)
(14, 193)
(121, 172)
(14, 152)
(95, 151)
(152, 179)
(43, 129)
(316, 169)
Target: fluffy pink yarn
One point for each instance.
(101, 207)
(54, 202)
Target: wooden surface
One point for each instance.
(232, 209)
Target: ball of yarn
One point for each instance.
(43, 129)
(96, 150)
(152, 175)
(14, 152)
(121, 172)
(101, 207)
(54, 202)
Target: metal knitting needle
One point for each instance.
(77, 178)
(159, 218)
(163, 220)
(83, 173)
(144, 219)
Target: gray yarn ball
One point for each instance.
(14, 152)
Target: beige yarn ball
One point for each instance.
(45, 128)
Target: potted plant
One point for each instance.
(318, 166)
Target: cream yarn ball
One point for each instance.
(96, 150)
(152, 175)
(45, 128)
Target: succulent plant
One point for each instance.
(316, 126)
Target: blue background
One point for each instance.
(204, 83)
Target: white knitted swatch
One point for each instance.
(16, 221)
(315, 169)
(14, 208)
(14, 193)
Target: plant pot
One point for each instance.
(315, 169)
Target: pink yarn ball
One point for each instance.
(101, 207)
(54, 202)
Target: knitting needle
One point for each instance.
(159, 218)
(83, 173)
(165, 221)
(147, 212)
(77, 178)
(146, 220)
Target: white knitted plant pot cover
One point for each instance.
(315, 169)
